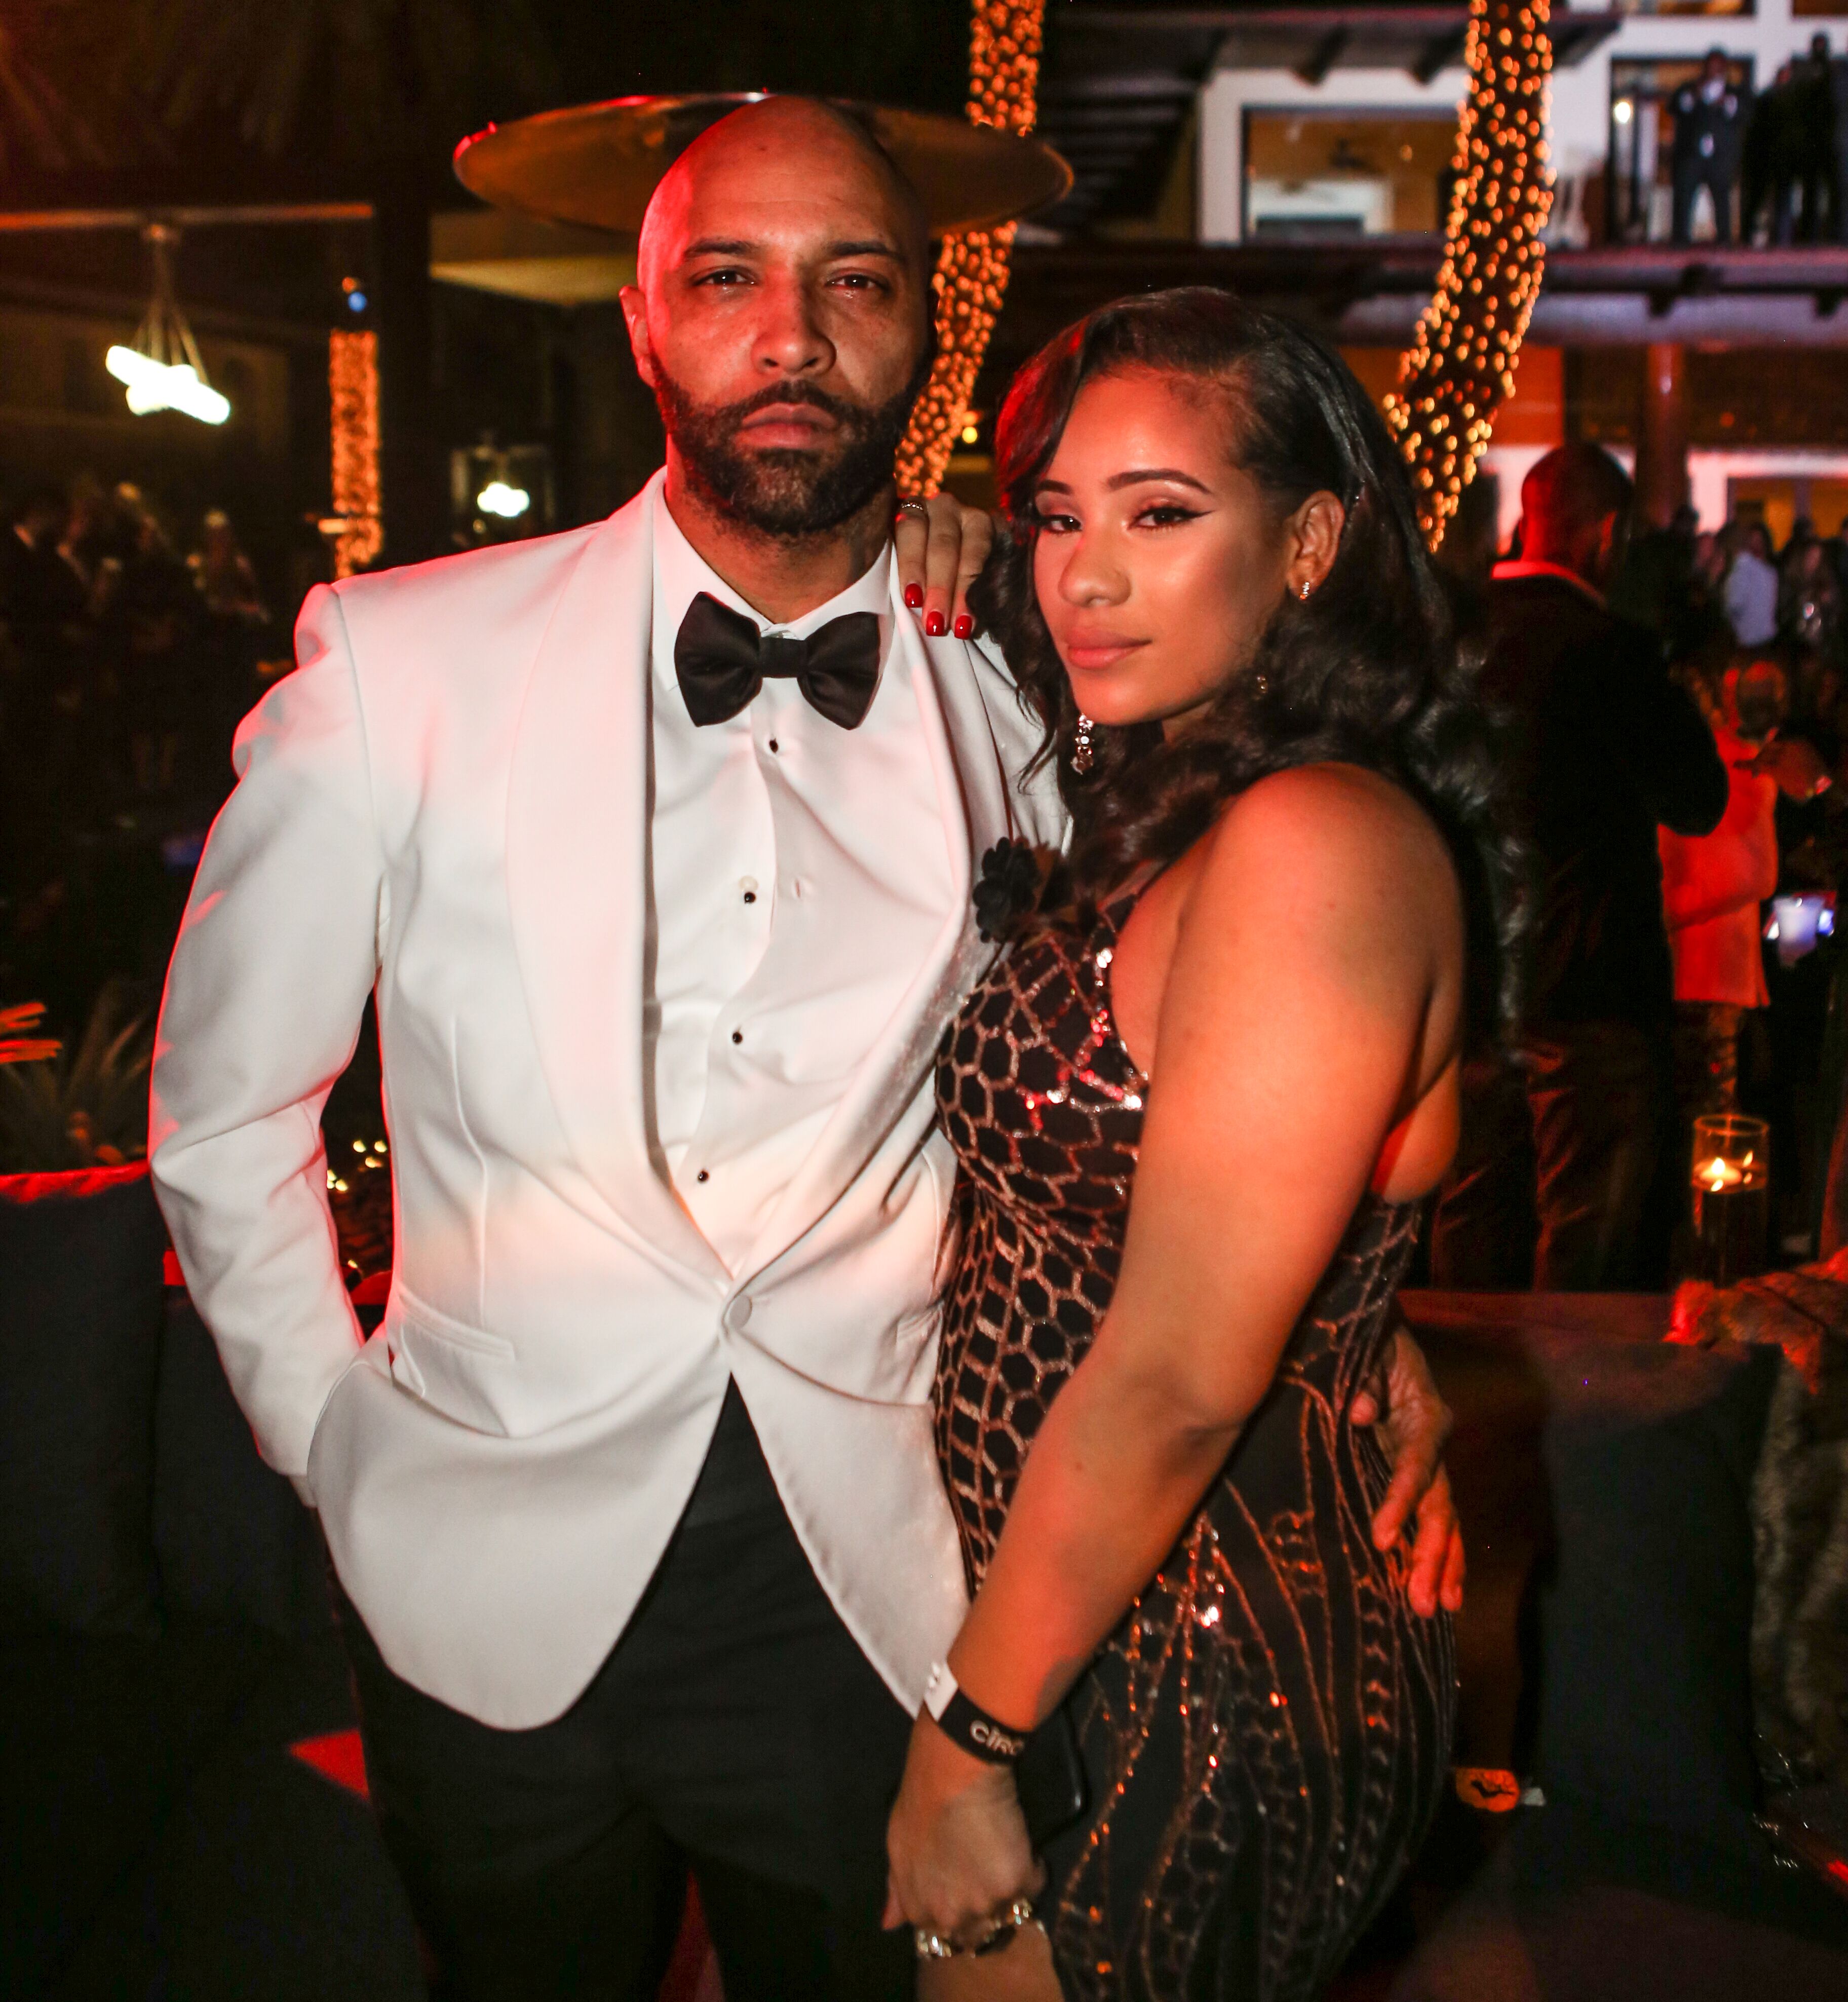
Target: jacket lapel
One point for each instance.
(576, 867)
(971, 755)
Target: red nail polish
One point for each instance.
(934, 626)
(914, 595)
(965, 626)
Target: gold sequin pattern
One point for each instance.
(1268, 1730)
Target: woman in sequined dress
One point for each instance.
(1196, 1104)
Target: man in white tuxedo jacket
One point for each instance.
(633, 1500)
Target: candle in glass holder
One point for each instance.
(1730, 1188)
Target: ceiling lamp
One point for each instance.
(498, 497)
(163, 371)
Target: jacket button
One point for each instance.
(738, 1314)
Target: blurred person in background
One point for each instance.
(1714, 887)
(1817, 170)
(41, 609)
(223, 574)
(1838, 111)
(1750, 592)
(1653, 583)
(231, 644)
(1562, 1136)
(1809, 600)
(92, 542)
(1710, 116)
(150, 632)
(1783, 1075)
(1769, 160)
(1467, 555)
(39, 592)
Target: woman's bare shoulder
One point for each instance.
(1337, 832)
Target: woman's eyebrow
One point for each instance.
(1138, 474)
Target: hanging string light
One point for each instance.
(972, 273)
(355, 528)
(1460, 368)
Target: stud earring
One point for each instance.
(1081, 746)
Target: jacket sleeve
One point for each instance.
(1664, 741)
(277, 954)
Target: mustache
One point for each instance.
(783, 394)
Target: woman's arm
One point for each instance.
(1322, 936)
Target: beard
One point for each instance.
(787, 492)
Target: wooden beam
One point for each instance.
(1314, 68)
(1439, 54)
(257, 215)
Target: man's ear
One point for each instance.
(635, 314)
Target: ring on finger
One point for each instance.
(1002, 1926)
(913, 507)
(1005, 1923)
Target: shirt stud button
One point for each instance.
(737, 1035)
(750, 896)
(702, 1176)
(772, 743)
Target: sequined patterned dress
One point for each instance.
(1266, 1733)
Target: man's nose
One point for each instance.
(790, 340)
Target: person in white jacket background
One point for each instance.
(655, 840)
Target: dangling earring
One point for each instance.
(1081, 746)
(1303, 593)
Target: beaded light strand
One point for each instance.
(971, 274)
(1460, 367)
(353, 389)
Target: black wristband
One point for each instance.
(967, 1725)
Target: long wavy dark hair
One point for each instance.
(1367, 671)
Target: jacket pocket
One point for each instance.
(462, 1371)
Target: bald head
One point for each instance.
(1574, 508)
(796, 154)
(782, 315)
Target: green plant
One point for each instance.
(57, 1111)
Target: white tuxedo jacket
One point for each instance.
(446, 804)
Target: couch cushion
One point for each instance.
(1628, 1640)
(268, 1880)
(98, 1738)
(233, 1541)
(1575, 1907)
(80, 1317)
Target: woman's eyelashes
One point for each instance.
(1156, 515)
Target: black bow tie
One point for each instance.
(722, 661)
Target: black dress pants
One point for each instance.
(736, 1731)
(1689, 178)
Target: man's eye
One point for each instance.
(860, 281)
(726, 275)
